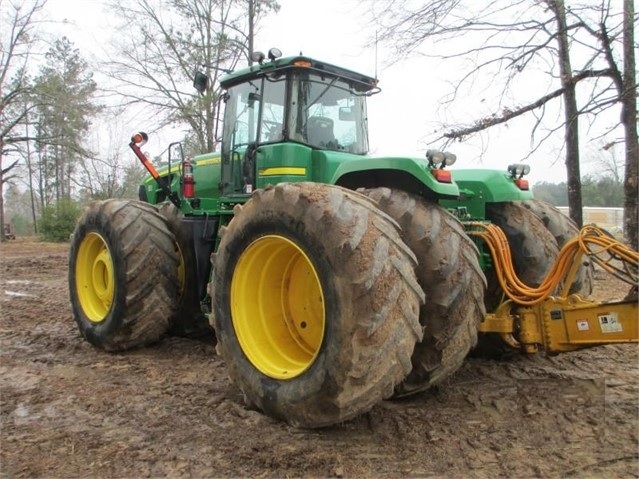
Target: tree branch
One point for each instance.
(508, 114)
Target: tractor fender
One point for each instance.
(407, 174)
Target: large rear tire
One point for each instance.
(122, 279)
(316, 304)
(563, 229)
(533, 248)
(449, 273)
(188, 320)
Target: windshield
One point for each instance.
(327, 113)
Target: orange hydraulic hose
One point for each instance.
(622, 261)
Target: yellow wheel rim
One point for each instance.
(277, 307)
(94, 277)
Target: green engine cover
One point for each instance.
(480, 186)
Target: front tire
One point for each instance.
(122, 278)
(316, 303)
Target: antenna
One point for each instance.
(376, 55)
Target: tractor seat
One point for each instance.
(319, 131)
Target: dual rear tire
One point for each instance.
(536, 231)
(319, 305)
(563, 229)
(449, 273)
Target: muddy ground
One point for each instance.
(69, 410)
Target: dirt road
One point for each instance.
(69, 410)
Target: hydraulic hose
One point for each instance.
(604, 250)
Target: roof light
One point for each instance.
(257, 57)
(274, 53)
(450, 158)
(518, 170)
(436, 157)
(522, 184)
(302, 63)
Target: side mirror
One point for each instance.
(252, 98)
(200, 82)
(346, 113)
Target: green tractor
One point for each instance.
(332, 279)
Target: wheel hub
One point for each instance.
(277, 307)
(95, 280)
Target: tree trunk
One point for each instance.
(571, 114)
(629, 120)
(251, 28)
(56, 162)
(41, 179)
(30, 175)
(2, 238)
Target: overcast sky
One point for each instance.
(400, 117)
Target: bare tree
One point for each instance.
(624, 83)
(164, 45)
(607, 160)
(16, 25)
(109, 173)
(571, 113)
(629, 119)
(510, 38)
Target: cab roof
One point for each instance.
(363, 83)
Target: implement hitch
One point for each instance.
(531, 319)
(558, 325)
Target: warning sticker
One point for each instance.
(609, 323)
(582, 325)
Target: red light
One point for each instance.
(443, 176)
(521, 184)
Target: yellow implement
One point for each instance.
(532, 319)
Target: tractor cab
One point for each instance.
(279, 111)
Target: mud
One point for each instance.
(69, 410)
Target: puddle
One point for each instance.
(18, 294)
